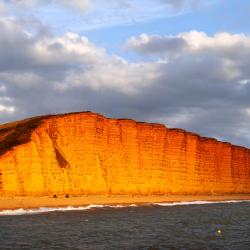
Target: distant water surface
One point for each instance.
(197, 225)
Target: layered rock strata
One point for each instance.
(87, 153)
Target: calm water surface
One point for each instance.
(207, 226)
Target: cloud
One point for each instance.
(193, 42)
(5, 102)
(176, 4)
(6, 109)
(85, 4)
(20, 49)
(204, 84)
(157, 45)
(76, 4)
(46, 73)
(181, 4)
(85, 15)
(114, 75)
(2, 7)
(189, 80)
(79, 61)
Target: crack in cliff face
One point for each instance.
(1, 182)
(60, 156)
(62, 162)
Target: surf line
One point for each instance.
(41, 210)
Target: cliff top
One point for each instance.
(19, 132)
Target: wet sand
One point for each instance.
(37, 202)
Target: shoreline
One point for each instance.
(13, 203)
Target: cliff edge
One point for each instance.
(87, 153)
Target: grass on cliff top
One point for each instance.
(17, 133)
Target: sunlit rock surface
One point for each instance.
(86, 153)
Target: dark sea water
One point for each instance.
(166, 226)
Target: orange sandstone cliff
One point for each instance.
(87, 153)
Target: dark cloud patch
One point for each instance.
(157, 45)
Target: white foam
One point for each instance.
(41, 210)
(181, 203)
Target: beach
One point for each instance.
(37, 202)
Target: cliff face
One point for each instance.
(86, 153)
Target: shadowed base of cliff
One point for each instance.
(38, 202)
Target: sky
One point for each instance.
(183, 63)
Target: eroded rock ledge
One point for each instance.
(87, 153)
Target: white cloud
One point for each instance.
(180, 4)
(189, 42)
(2, 7)
(2, 88)
(85, 4)
(83, 15)
(21, 79)
(76, 4)
(229, 51)
(7, 109)
(198, 41)
(39, 51)
(244, 81)
(70, 48)
(195, 81)
(80, 62)
(115, 74)
(204, 78)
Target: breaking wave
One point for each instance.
(41, 210)
(183, 203)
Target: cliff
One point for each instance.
(86, 153)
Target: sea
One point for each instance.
(179, 225)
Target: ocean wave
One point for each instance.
(41, 210)
(183, 203)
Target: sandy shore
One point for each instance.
(36, 202)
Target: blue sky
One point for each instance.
(217, 16)
(183, 63)
(111, 23)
